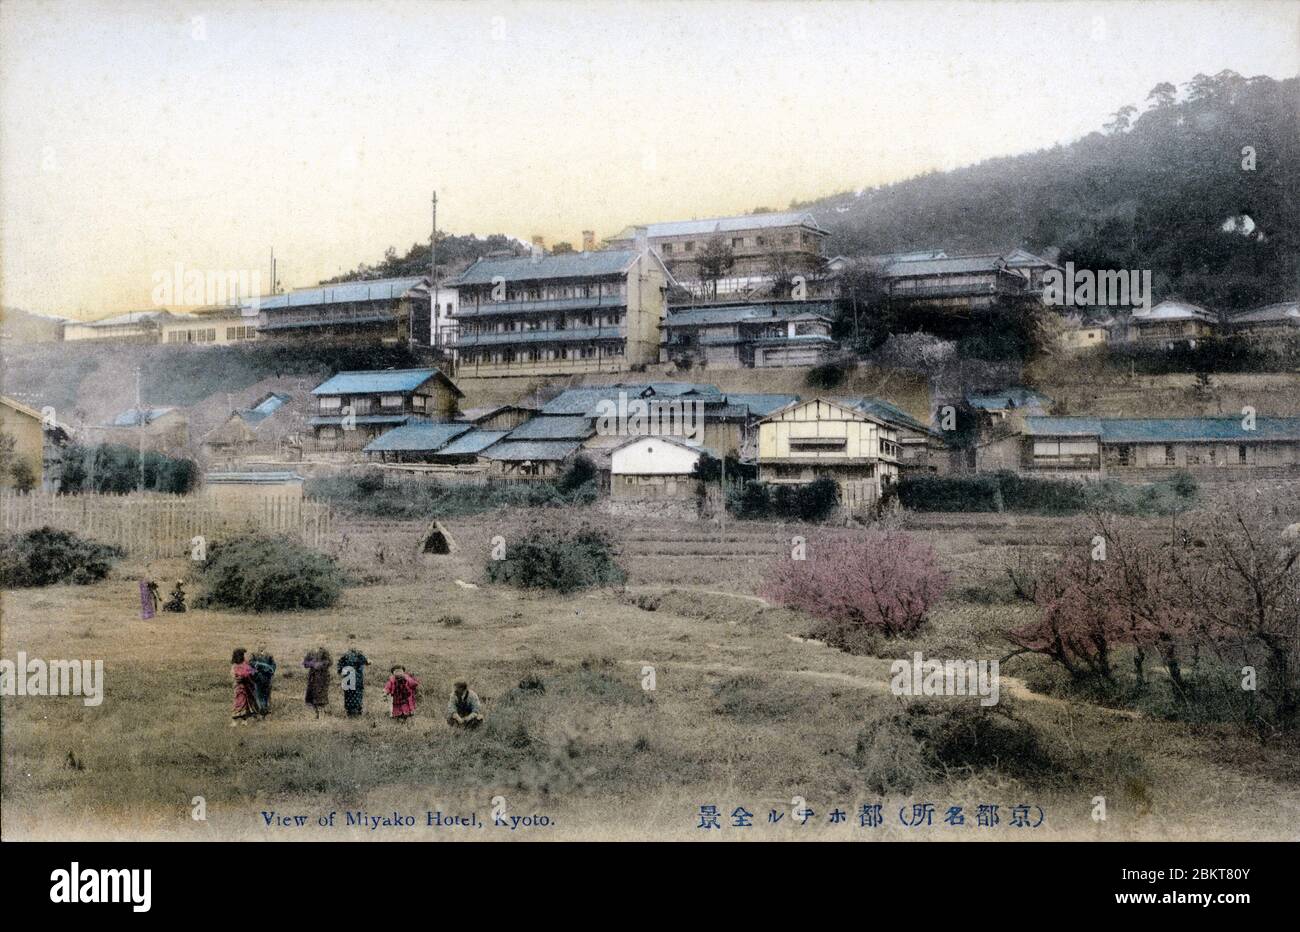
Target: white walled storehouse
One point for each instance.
(654, 467)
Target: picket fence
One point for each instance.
(152, 525)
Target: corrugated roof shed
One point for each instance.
(133, 418)
(416, 438)
(379, 381)
(554, 427)
(517, 451)
(387, 289)
(577, 265)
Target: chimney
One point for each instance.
(588, 240)
(642, 239)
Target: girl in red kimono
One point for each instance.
(317, 663)
(245, 706)
(402, 687)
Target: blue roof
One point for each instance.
(388, 289)
(584, 401)
(326, 420)
(374, 382)
(562, 265)
(520, 450)
(761, 405)
(420, 437)
(1165, 430)
(475, 441)
(134, 418)
(554, 427)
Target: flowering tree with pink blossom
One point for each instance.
(874, 582)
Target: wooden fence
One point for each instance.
(153, 525)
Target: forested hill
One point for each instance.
(1153, 189)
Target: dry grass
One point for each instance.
(744, 713)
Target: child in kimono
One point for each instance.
(402, 689)
(354, 682)
(245, 706)
(317, 663)
(464, 710)
(263, 665)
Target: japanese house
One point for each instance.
(788, 333)
(353, 408)
(390, 310)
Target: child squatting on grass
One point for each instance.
(463, 708)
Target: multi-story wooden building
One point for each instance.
(209, 327)
(369, 311)
(819, 438)
(353, 408)
(560, 314)
(734, 336)
(959, 284)
(133, 327)
(759, 244)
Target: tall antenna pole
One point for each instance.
(140, 420)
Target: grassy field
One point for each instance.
(745, 711)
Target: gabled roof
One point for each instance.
(554, 427)
(1269, 313)
(1024, 259)
(263, 409)
(848, 408)
(1166, 430)
(1176, 309)
(378, 381)
(420, 437)
(888, 412)
(746, 313)
(659, 438)
(575, 265)
(725, 225)
(478, 415)
(386, 289)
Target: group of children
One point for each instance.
(253, 672)
(150, 597)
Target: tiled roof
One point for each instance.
(724, 225)
(1175, 309)
(761, 405)
(421, 437)
(1284, 310)
(516, 451)
(584, 401)
(1166, 430)
(475, 441)
(886, 411)
(336, 420)
(576, 265)
(368, 382)
(554, 427)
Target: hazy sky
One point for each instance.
(138, 135)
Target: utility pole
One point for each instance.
(723, 518)
(434, 338)
(140, 421)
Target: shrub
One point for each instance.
(1011, 491)
(876, 582)
(258, 573)
(580, 473)
(563, 560)
(369, 495)
(926, 742)
(114, 468)
(45, 556)
(810, 502)
(829, 374)
(952, 493)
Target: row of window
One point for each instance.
(547, 293)
(363, 404)
(206, 335)
(529, 325)
(739, 242)
(537, 354)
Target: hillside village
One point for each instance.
(670, 313)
